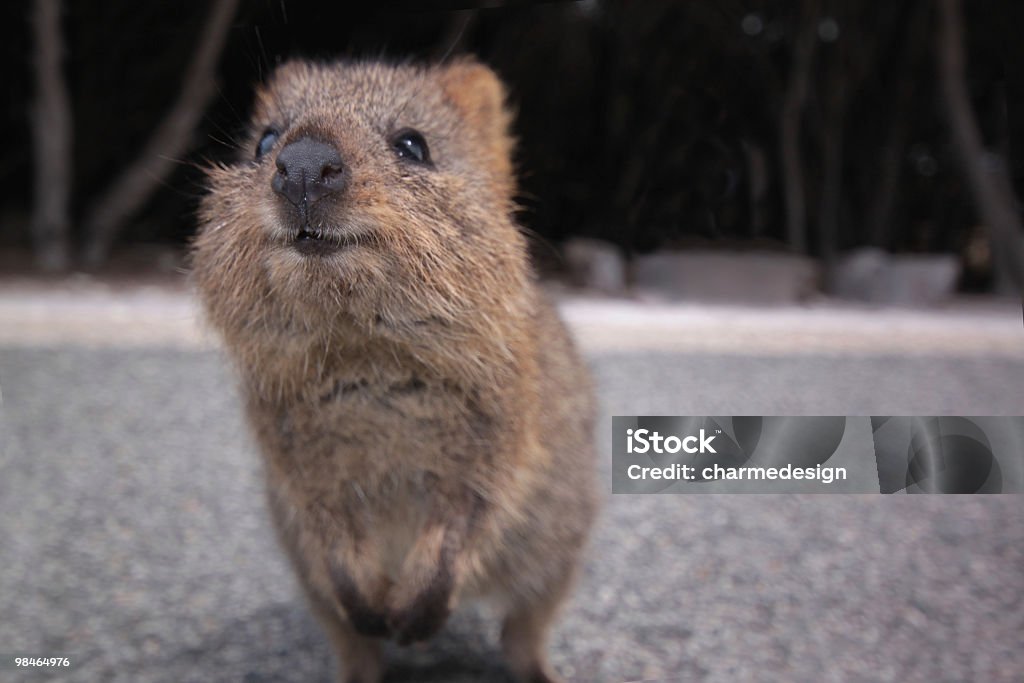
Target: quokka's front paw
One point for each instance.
(418, 617)
(369, 623)
(366, 620)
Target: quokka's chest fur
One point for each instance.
(353, 436)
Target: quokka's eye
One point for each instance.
(409, 144)
(266, 142)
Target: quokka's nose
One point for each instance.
(308, 170)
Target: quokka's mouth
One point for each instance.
(311, 242)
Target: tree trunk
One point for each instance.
(890, 170)
(833, 136)
(789, 134)
(986, 174)
(51, 137)
(1013, 68)
(168, 143)
(890, 166)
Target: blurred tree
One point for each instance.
(167, 144)
(51, 142)
(985, 170)
(855, 41)
(901, 93)
(794, 99)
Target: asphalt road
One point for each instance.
(134, 539)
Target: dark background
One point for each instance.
(649, 124)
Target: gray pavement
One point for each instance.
(134, 540)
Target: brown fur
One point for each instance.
(425, 420)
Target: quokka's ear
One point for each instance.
(479, 96)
